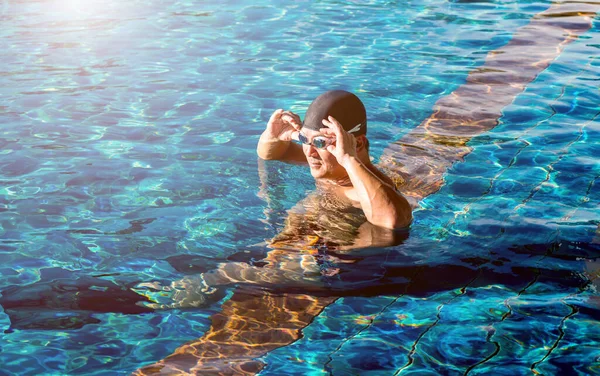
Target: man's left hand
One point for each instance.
(344, 148)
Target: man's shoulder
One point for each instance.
(383, 177)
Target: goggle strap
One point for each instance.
(356, 128)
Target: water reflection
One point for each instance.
(418, 160)
(245, 329)
(272, 305)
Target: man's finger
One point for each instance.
(290, 113)
(352, 139)
(333, 124)
(298, 121)
(327, 131)
(296, 116)
(295, 135)
(275, 115)
(287, 117)
(291, 120)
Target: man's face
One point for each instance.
(323, 164)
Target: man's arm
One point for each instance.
(272, 148)
(276, 140)
(382, 204)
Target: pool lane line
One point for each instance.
(237, 338)
(418, 161)
(451, 126)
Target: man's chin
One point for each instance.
(317, 172)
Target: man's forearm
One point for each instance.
(382, 205)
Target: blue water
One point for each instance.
(128, 134)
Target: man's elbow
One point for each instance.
(394, 221)
(405, 222)
(262, 155)
(266, 155)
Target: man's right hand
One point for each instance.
(275, 141)
(283, 126)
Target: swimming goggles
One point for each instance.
(321, 142)
(318, 142)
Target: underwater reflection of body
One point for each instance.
(365, 272)
(263, 316)
(274, 296)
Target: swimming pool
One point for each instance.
(128, 155)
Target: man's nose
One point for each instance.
(312, 151)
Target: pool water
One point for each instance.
(127, 155)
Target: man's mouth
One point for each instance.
(314, 163)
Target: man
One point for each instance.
(355, 205)
(311, 258)
(335, 146)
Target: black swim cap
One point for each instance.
(345, 107)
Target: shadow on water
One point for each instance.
(259, 318)
(76, 298)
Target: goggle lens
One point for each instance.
(302, 138)
(317, 142)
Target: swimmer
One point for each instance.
(335, 147)
(354, 206)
